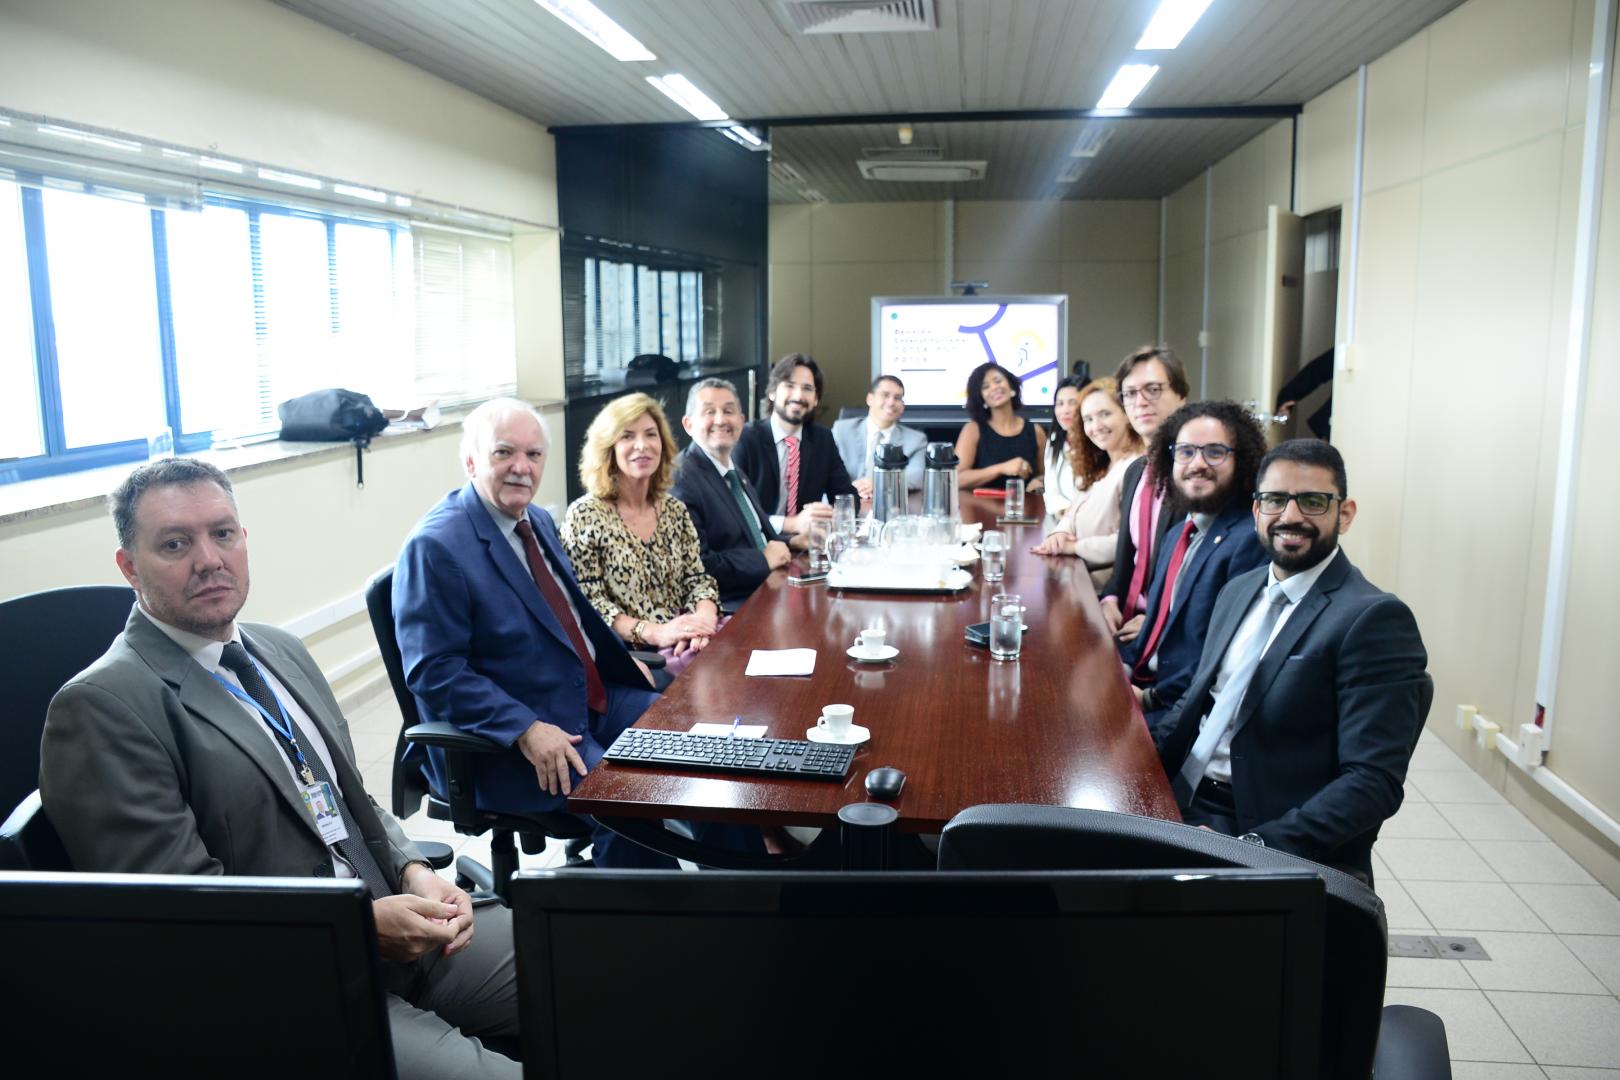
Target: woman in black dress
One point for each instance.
(997, 442)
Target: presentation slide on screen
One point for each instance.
(933, 347)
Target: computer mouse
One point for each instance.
(885, 782)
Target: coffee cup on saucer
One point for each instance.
(871, 641)
(837, 719)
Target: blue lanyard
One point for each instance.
(284, 728)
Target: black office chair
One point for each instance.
(1360, 1036)
(456, 805)
(51, 636)
(28, 841)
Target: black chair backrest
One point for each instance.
(409, 785)
(50, 637)
(1020, 837)
(28, 841)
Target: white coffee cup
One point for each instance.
(870, 640)
(837, 719)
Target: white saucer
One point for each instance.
(856, 736)
(888, 652)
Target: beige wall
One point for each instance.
(250, 79)
(1449, 416)
(829, 260)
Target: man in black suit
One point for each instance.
(1152, 385)
(793, 464)
(738, 544)
(1311, 693)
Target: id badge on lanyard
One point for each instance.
(317, 794)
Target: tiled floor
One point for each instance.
(1457, 860)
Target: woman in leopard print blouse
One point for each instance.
(633, 545)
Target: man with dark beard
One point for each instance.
(1308, 701)
(1208, 451)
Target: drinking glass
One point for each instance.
(844, 516)
(993, 549)
(1015, 498)
(1006, 626)
(819, 558)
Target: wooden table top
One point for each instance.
(1058, 726)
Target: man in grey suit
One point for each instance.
(858, 436)
(1311, 692)
(200, 745)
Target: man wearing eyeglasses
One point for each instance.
(1152, 385)
(1209, 452)
(1301, 719)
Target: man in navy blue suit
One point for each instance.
(1210, 451)
(497, 638)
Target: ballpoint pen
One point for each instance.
(734, 722)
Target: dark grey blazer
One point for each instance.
(1330, 720)
(149, 766)
(728, 553)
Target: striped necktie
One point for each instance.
(790, 476)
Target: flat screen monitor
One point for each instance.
(1083, 973)
(120, 975)
(932, 343)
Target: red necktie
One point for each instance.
(790, 475)
(595, 693)
(1144, 550)
(1169, 590)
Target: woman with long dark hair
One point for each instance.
(997, 442)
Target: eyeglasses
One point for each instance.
(1311, 503)
(1148, 391)
(1214, 453)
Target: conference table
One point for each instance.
(1058, 726)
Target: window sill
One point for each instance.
(30, 500)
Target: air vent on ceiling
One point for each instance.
(1092, 139)
(901, 153)
(860, 16)
(926, 172)
(787, 174)
(810, 194)
(1072, 170)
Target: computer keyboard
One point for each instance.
(768, 757)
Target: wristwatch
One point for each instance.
(1253, 838)
(635, 633)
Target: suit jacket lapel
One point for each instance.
(1194, 566)
(508, 565)
(1282, 646)
(211, 703)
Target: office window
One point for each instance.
(20, 434)
(119, 320)
(631, 308)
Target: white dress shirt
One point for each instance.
(1296, 586)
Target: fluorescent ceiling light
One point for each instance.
(369, 194)
(221, 164)
(290, 178)
(1128, 82)
(171, 152)
(743, 135)
(606, 34)
(679, 89)
(1171, 23)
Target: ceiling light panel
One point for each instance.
(1128, 81)
(603, 32)
(679, 89)
(1170, 23)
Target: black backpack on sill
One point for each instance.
(333, 416)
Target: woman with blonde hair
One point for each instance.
(633, 545)
(1102, 446)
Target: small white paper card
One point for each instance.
(781, 662)
(744, 731)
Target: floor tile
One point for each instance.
(1434, 860)
(1494, 1070)
(1474, 1031)
(1400, 911)
(1473, 905)
(1418, 821)
(1412, 793)
(1434, 974)
(1532, 861)
(1601, 955)
(1574, 909)
(1529, 962)
(1454, 787)
(1565, 1072)
(1380, 871)
(1436, 756)
(1489, 821)
(1564, 1029)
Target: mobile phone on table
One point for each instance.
(807, 577)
